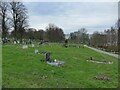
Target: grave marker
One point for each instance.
(24, 46)
(47, 56)
(14, 42)
(18, 41)
(33, 45)
(52, 62)
(36, 51)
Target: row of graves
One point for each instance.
(5, 40)
(43, 42)
(92, 60)
(66, 45)
(47, 60)
(99, 61)
(100, 77)
(15, 41)
(28, 43)
(23, 42)
(55, 62)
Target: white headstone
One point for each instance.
(33, 45)
(14, 42)
(24, 46)
(36, 51)
(18, 41)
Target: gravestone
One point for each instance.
(36, 51)
(47, 56)
(24, 46)
(33, 45)
(66, 43)
(91, 58)
(29, 41)
(18, 41)
(14, 42)
(51, 62)
(41, 42)
(4, 40)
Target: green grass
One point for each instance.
(0, 66)
(24, 69)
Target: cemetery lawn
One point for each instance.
(21, 68)
(0, 66)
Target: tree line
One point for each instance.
(52, 34)
(13, 16)
(14, 24)
(106, 40)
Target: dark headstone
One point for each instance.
(30, 42)
(41, 42)
(90, 58)
(47, 56)
(66, 43)
(5, 40)
(14, 41)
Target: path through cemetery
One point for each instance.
(97, 50)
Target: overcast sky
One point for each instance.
(71, 16)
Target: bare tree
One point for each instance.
(0, 24)
(4, 18)
(80, 36)
(19, 19)
(83, 35)
(119, 31)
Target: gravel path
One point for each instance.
(97, 50)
